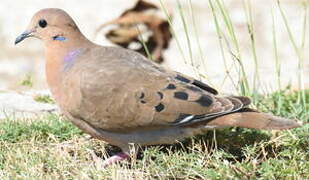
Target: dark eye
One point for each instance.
(42, 23)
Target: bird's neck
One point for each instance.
(58, 54)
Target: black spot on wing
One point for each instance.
(181, 95)
(205, 87)
(204, 100)
(171, 86)
(195, 89)
(183, 79)
(160, 94)
(142, 95)
(160, 107)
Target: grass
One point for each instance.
(27, 81)
(51, 148)
(44, 99)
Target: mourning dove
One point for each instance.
(121, 97)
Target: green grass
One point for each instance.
(44, 99)
(51, 148)
(27, 81)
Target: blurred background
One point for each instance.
(257, 44)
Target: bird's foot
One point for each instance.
(115, 158)
(112, 160)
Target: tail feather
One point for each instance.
(255, 120)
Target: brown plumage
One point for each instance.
(121, 97)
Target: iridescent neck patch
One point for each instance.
(70, 58)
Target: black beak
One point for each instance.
(23, 36)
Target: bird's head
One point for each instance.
(50, 25)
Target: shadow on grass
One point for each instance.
(230, 140)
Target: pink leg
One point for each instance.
(115, 158)
(112, 160)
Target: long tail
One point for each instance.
(256, 120)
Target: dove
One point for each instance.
(123, 98)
